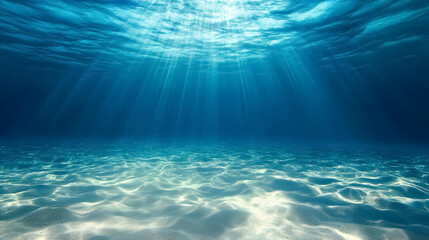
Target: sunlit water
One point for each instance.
(108, 31)
(161, 191)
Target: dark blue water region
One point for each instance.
(212, 191)
(391, 107)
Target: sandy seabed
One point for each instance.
(160, 191)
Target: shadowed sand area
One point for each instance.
(159, 191)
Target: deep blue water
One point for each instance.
(186, 119)
(297, 70)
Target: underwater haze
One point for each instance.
(328, 70)
(214, 119)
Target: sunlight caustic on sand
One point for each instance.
(210, 192)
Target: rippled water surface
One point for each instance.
(159, 191)
(216, 30)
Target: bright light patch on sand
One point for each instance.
(210, 192)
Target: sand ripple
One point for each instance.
(155, 191)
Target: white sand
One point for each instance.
(208, 192)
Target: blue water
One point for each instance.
(337, 70)
(215, 119)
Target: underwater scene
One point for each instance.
(214, 119)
